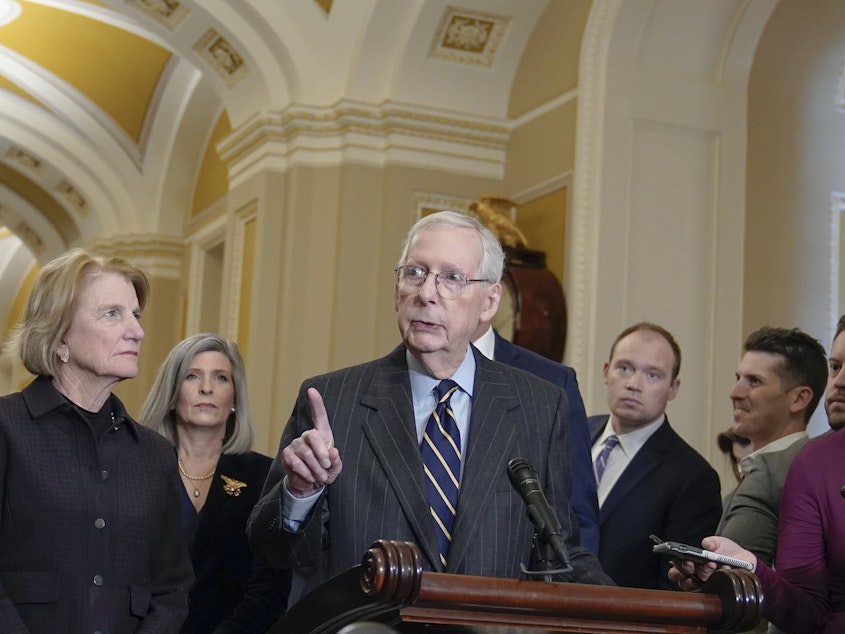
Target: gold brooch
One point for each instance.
(232, 486)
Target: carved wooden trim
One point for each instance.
(391, 588)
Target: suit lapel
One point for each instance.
(391, 434)
(492, 435)
(648, 458)
(596, 425)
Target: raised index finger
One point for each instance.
(319, 417)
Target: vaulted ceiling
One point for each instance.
(109, 110)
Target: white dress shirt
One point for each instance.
(622, 454)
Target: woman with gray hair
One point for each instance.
(199, 403)
(88, 498)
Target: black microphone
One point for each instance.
(524, 479)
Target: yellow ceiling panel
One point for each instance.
(115, 69)
(213, 181)
(7, 84)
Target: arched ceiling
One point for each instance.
(107, 107)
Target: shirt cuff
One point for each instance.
(294, 509)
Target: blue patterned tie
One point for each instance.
(601, 460)
(441, 454)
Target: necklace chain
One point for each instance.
(188, 475)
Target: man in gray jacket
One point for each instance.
(780, 380)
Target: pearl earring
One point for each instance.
(233, 410)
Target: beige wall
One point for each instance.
(657, 216)
(162, 331)
(796, 163)
(549, 65)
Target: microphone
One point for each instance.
(524, 479)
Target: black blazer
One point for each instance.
(232, 593)
(669, 490)
(380, 492)
(89, 527)
(584, 500)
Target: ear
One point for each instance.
(800, 398)
(396, 297)
(605, 370)
(491, 302)
(673, 391)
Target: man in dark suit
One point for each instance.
(649, 480)
(386, 419)
(584, 501)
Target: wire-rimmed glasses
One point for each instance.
(449, 284)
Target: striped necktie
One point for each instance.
(601, 460)
(441, 454)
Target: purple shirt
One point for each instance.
(807, 591)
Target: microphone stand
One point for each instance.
(548, 543)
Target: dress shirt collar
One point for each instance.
(423, 384)
(632, 441)
(776, 445)
(486, 343)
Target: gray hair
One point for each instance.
(493, 258)
(158, 412)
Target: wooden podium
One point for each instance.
(390, 588)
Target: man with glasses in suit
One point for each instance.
(354, 461)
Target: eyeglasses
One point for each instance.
(449, 284)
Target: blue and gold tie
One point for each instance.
(441, 454)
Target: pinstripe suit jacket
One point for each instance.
(380, 492)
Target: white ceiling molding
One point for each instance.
(368, 133)
(157, 254)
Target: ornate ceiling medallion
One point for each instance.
(29, 236)
(222, 57)
(72, 197)
(25, 160)
(469, 37)
(167, 12)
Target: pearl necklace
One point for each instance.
(190, 477)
